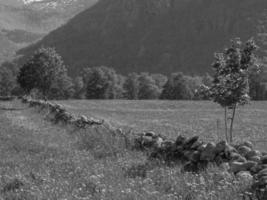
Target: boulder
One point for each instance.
(196, 145)
(83, 118)
(229, 150)
(180, 140)
(188, 143)
(252, 153)
(264, 159)
(158, 142)
(221, 146)
(256, 159)
(167, 145)
(248, 144)
(150, 134)
(209, 153)
(237, 157)
(202, 147)
(244, 150)
(262, 172)
(236, 167)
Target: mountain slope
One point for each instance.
(24, 23)
(154, 35)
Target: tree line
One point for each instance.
(44, 75)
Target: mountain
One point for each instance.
(154, 35)
(23, 22)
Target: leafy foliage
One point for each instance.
(44, 71)
(230, 86)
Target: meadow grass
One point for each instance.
(43, 161)
(171, 118)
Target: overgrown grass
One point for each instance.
(44, 161)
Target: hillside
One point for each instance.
(24, 22)
(154, 35)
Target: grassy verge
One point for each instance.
(44, 161)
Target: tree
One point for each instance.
(103, 83)
(147, 87)
(7, 81)
(131, 86)
(256, 85)
(42, 71)
(62, 88)
(230, 86)
(177, 88)
(79, 90)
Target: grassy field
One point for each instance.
(172, 118)
(43, 161)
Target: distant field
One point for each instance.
(177, 117)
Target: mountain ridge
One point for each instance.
(153, 35)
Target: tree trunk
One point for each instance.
(225, 124)
(232, 124)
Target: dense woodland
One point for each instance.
(45, 75)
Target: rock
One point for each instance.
(244, 177)
(262, 172)
(192, 156)
(180, 140)
(202, 147)
(220, 147)
(244, 150)
(196, 145)
(150, 134)
(252, 153)
(188, 143)
(263, 181)
(167, 145)
(158, 143)
(84, 118)
(256, 159)
(209, 153)
(236, 167)
(237, 157)
(264, 159)
(147, 141)
(229, 150)
(248, 144)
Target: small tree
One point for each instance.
(230, 86)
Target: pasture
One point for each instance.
(41, 160)
(172, 118)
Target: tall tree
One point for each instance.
(102, 83)
(148, 88)
(177, 88)
(42, 71)
(131, 86)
